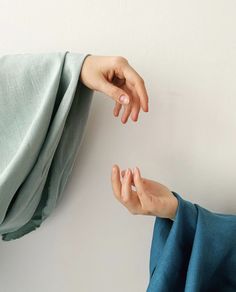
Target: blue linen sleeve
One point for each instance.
(195, 252)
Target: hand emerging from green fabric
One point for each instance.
(142, 196)
(117, 79)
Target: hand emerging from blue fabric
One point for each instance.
(148, 198)
(117, 79)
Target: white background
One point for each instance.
(186, 52)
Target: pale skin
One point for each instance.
(142, 196)
(114, 77)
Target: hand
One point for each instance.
(148, 198)
(117, 79)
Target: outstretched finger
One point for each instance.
(138, 181)
(140, 190)
(116, 183)
(147, 200)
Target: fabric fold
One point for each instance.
(196, 252)
(44, 109)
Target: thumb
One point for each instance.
(115, 93)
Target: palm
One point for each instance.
(153, 189)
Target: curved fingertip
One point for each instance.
(115, 168)
(128, 173)
(137, 173)
(116, 109)
(145, 108)
(123, 121)
(134, 117)
(144, 104)
(115, 113)
(136, 170)
(113, 172)
(124, 117)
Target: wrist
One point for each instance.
(174, 206)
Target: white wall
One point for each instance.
(186, 52)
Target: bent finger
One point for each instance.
(135, 110)
(126, 190)
(116, 93)
(136, 80)
(117, 108)
(132, 179)
(126, 114)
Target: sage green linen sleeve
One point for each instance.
(43, 113)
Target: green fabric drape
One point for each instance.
(43, 112)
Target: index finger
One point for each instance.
(138, 83)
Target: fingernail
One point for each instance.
(114, 169)
(124, 99)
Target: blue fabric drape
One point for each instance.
(196, 252)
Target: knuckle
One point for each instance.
(119, 60)
(115, 92)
